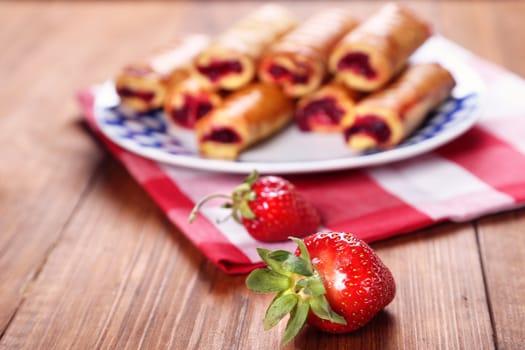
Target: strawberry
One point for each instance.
(270, 208)
(334, 282)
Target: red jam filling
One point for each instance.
(222, 135)
(194, 108)
(358, 63)
(370, 125)
(324, 111)
(145, 96)
(280, 73)
(218, 69)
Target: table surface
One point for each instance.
(87, 260)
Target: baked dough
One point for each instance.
(246, 117)
(324, 109)
(188, 101)
(142, 85)
(298, 62)
(369, 56)
(387, 117)
(231, 61)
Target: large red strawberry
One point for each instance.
(334, 282)
(270, 208)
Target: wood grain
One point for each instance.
(42, 177)
(503, 257)
(88, 261)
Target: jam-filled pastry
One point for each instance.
(387, 117)
(188, 101)
(298, 62)
(369, 56)
(142, 85)
(245, 117)
(324, 109)
(231, 61)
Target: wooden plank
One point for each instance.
(502, 246)
(47, 161)
(493, 22)
(507, 27)
(119, 278)
(503, 256)
(50, 160)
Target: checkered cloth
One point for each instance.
(481, 172)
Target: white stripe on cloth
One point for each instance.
(502, 95)
(503, 112)
(503, 105)
(440, 188)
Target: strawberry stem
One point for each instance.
(237, 201)
(200, 203)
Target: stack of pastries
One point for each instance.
(329, 73)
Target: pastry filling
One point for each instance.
(222, 135)
(357, 63)
(324, 111)
(218, 69)
(146, 96)
(370, 125)
(193, 108)
(280, 73)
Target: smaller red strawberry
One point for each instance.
(270, 208)
(334, 282)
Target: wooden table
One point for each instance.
(87, 260)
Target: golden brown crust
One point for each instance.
(369, 56)
(152, 75)
(402, 105)
(250, 115)
(242, 46)
(304, 52)
(324, 109)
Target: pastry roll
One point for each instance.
(245, 117)
(188, 101)
(231, 61)
(369, 56)
(324, 109)
(385, 118)
(298, 61)
(142, 85)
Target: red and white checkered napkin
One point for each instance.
(481, 172)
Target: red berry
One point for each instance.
(270, 208)
(280, 211)
(334, 282)
(358, 284)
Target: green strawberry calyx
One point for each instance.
(237, 200)
(299, 289)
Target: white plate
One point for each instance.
(292, 151)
